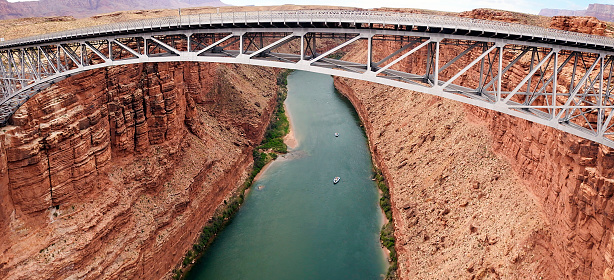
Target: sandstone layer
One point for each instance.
(112, 173)
(478, 194)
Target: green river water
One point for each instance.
(295, 223)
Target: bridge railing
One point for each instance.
(356, 16)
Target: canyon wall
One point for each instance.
(460, 211)
(573, 179)
(113, 172)
(480, 194)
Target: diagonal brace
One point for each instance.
(69, 54)
(131, 51)
(215, 44)
(274, 45)
(403, 56)
(336, 48)
(469, 66)
(528, 76)
(49, 61)
(409, 44)
(164, 45)
(96, 51)
(458, 57)
(577, 89)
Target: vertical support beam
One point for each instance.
(600, 101)
(533, 54)
(555, 82)
(241, 43)
(436, 70)
(111, 48)
(81, 57)
(429, 60)
(314, 52)
(38, 62)
(573, 73)
(499, 74)
(369, 52)
(302, 45)
(9, 66)
(481, 81)
(57, 58)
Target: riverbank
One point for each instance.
(387, 238)
(263, 155)
(290, 139)
(299, 216)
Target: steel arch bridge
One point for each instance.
(556, 78)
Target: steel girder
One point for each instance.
(567, 87)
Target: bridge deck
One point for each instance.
(332, 19)
(560, 79)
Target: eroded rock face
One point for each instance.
(460, 211)
(480, 194)
(112, 173)
(488, 14)
(588, 25)
(573, 179)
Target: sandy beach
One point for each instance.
(266, 166)
(289, 139)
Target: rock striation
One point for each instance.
(113, 172)
(478, 194)
(588, 25)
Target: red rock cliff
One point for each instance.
(479, 194)
(112, 173)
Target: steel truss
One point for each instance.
(556, 82)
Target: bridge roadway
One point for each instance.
(556, 78)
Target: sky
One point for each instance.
(524, 6)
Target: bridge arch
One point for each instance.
(556, 78)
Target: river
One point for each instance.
(295, 223)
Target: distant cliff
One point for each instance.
(600, 11)
(86, 8)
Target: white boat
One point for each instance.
(336, 134)
(336, 180)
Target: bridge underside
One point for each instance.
(563, 86)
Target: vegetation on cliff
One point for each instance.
(279, 125)
(387, 238)
(387, 233)
(271, 145)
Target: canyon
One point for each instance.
(110, 171)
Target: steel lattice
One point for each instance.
(556, 78)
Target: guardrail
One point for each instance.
(351, 16)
